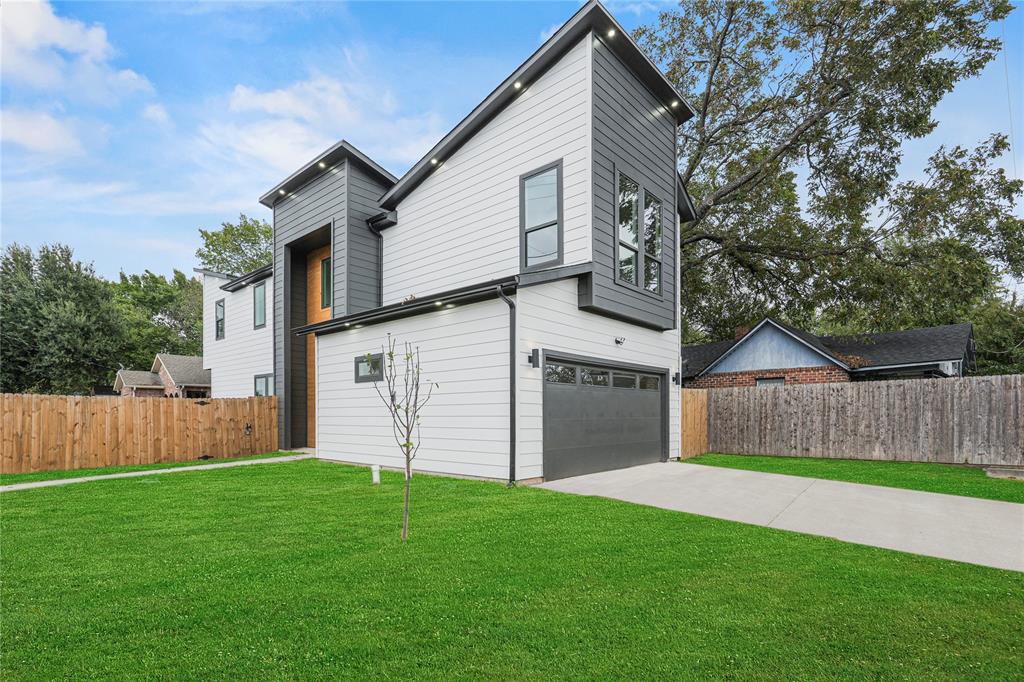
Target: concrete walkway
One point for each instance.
(150, 472)
(967, 529)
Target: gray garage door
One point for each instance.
(598, 418)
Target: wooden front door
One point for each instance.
(319, 293)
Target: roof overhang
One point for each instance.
(212, 273)
(419, 306)
(788, 333)
(591, 17)
(684, 206)
(906, 365)
(324, 163)
(248, 278)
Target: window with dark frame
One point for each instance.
(771, 381)
(594, 377)
(218, 319)
(649, 383)
(263, 385)
(639, 236)
(556, 373)
(540, 203)
(325, 282)
(369, 367)
(623, 380)
(259, 305)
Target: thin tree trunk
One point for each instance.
(405, 509)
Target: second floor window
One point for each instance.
(325, 282)
(259, 305)
(218, 319)
(540, 204)
(639, 236)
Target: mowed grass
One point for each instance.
(295, 571)
(10, 479)
(934, 478)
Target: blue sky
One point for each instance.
(127, 126)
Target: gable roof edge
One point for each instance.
(781, 328)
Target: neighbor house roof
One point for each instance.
(137, 378)
(322, 162)
(184, 370)
(591, 17)
(857, 352)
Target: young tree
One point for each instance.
(405, 404)
(237, 248)
(802, 108)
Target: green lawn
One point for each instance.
(10, 479)
(934, 478)
(295, 571)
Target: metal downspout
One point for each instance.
(511, 386)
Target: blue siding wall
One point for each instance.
(769, 348)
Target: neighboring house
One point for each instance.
(775, 353)
(530, 256)
(172, 376)
(238, 332)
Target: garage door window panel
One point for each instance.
(556, 373)
(623, 380)
(593, 377)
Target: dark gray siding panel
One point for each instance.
(363, 248)
(315, 205)
(633, 134)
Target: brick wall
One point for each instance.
(793, 375)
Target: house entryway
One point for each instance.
(599, 417)
(968, 529)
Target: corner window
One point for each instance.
(555, 373)
(264, 385)
(639, 235)
(540, 209)
(259, 305)
(771, 381)
(369, 367)
(325, 282)
(218, 319)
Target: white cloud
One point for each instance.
(39, 132)
(53, 54)
(156, 113)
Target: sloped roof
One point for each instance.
(185, 370)
(137, 377)
(321, 163)
(929, 344)
(858, 351)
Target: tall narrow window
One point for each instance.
(259, 305)
(629, 232)
(218, 319)
(540, 203)
(325, 282)
(652, 243)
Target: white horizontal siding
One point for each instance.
(548, 318)
(461, 224)
(464, 427)
(244, 352)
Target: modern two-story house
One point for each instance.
(530, 256)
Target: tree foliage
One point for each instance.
(237, 248)
(793, 160)
(161, 315)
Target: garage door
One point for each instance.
(600, 418)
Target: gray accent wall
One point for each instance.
(331, 208)
(632, 133)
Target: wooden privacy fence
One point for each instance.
(975, 420)
(51, 432)
(695, 422)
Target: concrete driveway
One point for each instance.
(966, 529)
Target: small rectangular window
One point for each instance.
(649, 383)
(264, 385)
(369, 367)
(218, 319)
(624, 380)
(325, 282)
(593, 377)
(652, 243)
(259, 305)
(555, 373)
(771, 381)
(541, 216)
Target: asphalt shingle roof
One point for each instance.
(859, 351)
(185, 370)
(136, 377)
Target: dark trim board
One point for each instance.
(547, 355)
(248, 278)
